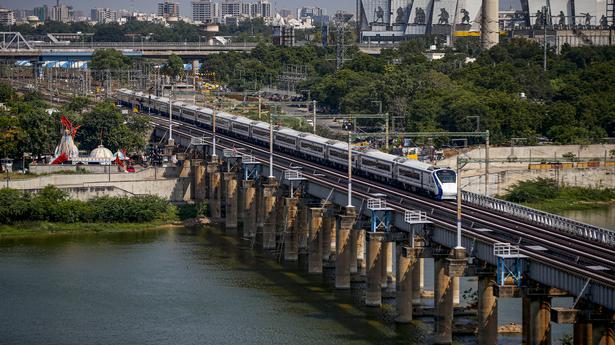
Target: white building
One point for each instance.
(7, 17)
(205, 11)
(260, 9)
(231, 8)
(103, 15)
(61, 13)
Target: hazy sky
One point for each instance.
(150, 5)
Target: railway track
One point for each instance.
(562, 251)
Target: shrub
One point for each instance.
(52, 204)
(532, 190)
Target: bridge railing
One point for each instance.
(139, 45)
(538, 217)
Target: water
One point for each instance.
(603, 217)
(172, 287)
(186, 287)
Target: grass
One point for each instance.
(546, 195)
(35, 229)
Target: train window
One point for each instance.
(222, 122)
(285, 139)
(446, 176)
(240, 127)
(376, 164)
(410, 174)
(338, 154)
(311, 147)
(260, 132)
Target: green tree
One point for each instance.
(110, 59)
(118, 131)
(174, 67)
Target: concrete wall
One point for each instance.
(545, 152)
(162, 182)
(500, 181)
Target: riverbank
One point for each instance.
(39, 228)
(545, 194)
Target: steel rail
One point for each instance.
(573, 268)
(547, 242)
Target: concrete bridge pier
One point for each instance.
(269, 213)
(417, 278)
(406, 260)
(603, 331)
(343, 248)
(487, 310)
(536, 319)
(456, 287)
(230, 180)
(354, 238)
(249, 208)
(443, 300)
(387, 266)
(302, 226)
(200, 187)
(213, 188)
(290, 238)
(361, 251)
(315, 240)
(373, 295)
(446, 268)
(328, 236)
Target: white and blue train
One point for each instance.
(415, 176)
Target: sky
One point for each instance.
(184, 7)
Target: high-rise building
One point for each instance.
(61, 12)
(230, 8)
(7, 17)
(261, 8)
(309, 11)
(41, 12)
(168, 8)
(204, 11)
(103, 15)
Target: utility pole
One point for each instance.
(458, 202)
(271, 145)
(544, 24)
(349, 169)
(487, 163)
(171, 116)
(259, 105)
(314, 116)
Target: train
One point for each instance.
(437, 182)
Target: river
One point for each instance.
(182, 286)
(603, 217)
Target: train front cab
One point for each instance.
(446, 184)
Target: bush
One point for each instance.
(532, 190)
(53, 205)
(188, 211)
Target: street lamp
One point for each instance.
(213, 127)
(349, 169)
(271, 145)
(458, 202)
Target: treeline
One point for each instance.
(26, 125)
(53, 205)
(572, 102)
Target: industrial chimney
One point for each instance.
(490, 30)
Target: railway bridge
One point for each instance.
(304, 210)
